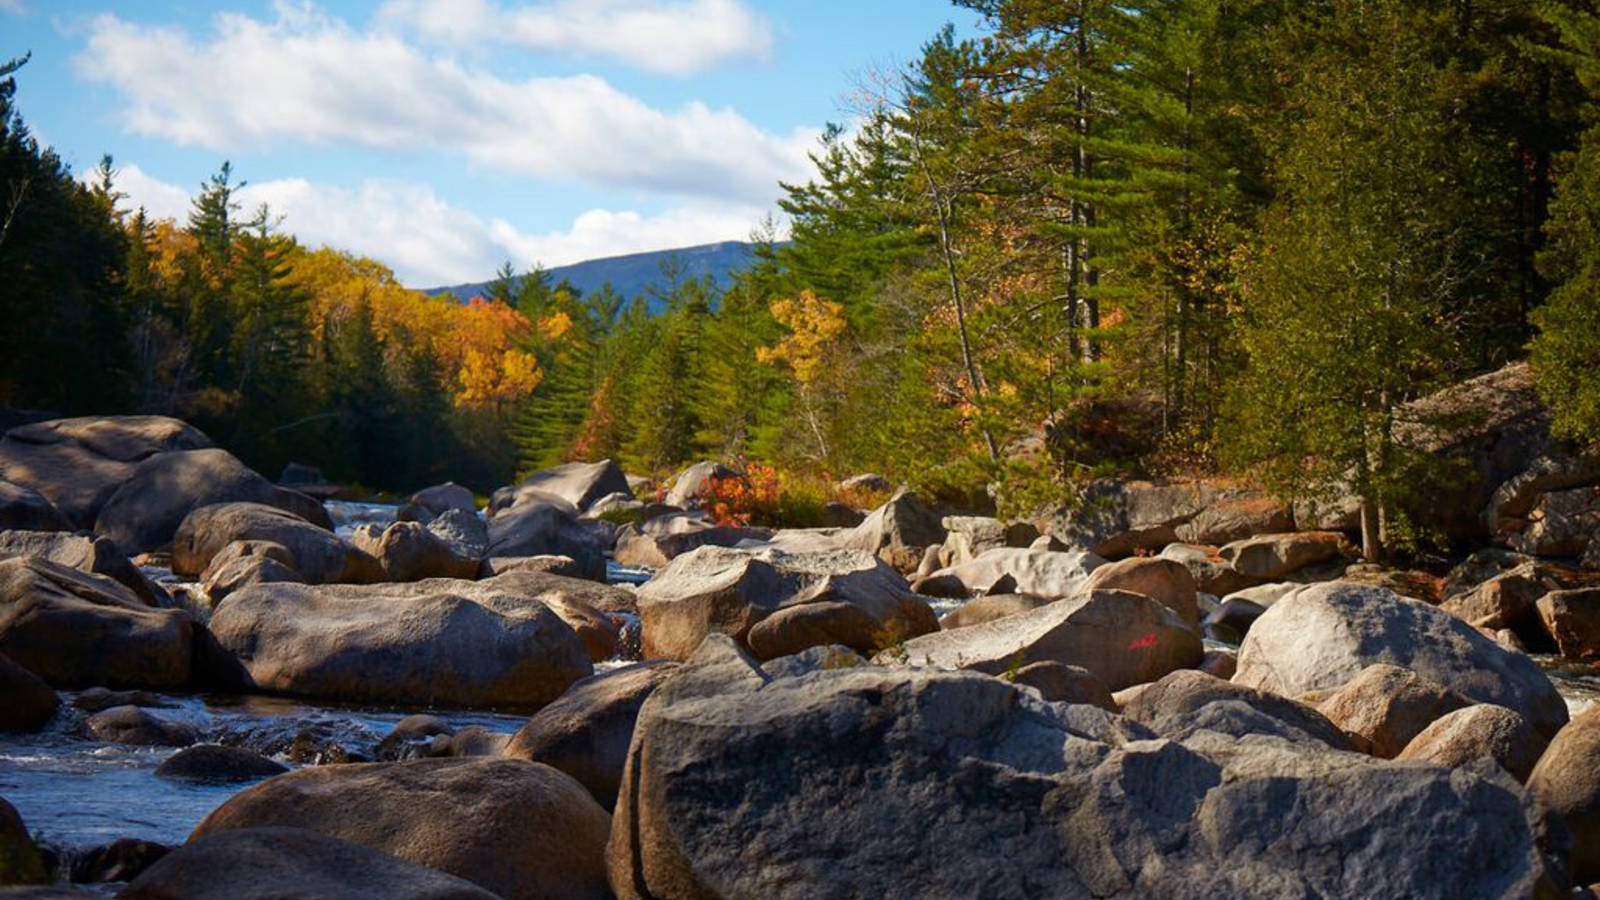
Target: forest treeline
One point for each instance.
(1164, 237)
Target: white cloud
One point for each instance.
(16, 7)
(677, 37)
(429, 243)
(308, 77)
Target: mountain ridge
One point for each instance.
(631, 273)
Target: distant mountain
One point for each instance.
(631, 274)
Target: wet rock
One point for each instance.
(74, 629)
(145, 512)
(1059, 683)
(1385, 706)
(1272, 556)
(78, 464)
(245, 563)
(1121, 637)
(1322, 636)
(430, 503)
(856, 600)
(898, 532)
(1567, 781)
(25, 509)
(519, 829)
(411, 737)
(1480, 731)
(467, 535)
(437, 642)
(319, 555)
(587, 730)
(26, 702)
(86, 553)
(1162, 580)
(540, 525)
(1043, 800)
(20, 861)
(291, 864)
(1572, 618)
(694, 483)
(1043, 573)
(217, 764)
(137, 727)
(99, 699)
(1187, 701)
(991, 607)
(121, 860)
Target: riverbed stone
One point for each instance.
(78, 464)
(1043, 573)
(520, 829)
(582, 484)
(124, 859)
(1322, 636)
(20, 861)
(1480, 731)
(1273, 556)
(136, 726)
(438, 642)
(319, 555)
(1042, 800)
(410, 552)
(1060, 683)
(1162, 580)
(73, 629)
(1572, 618)
(26, 702)
(145, 512)
(26, 509)
(990, 607)
(1385, 706)
(1188, 700)
(244, 563)
(432, 502)
(86, 553)
(539, 524)
(288, 863)
(586, 731)
(692, 485)
(1567, 780)
(655, 542)
(1122, 637)
(465, 532)
(854, 598)
(215, 763)
(1507, 600)
(898, 532)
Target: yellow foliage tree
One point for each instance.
(815, 352)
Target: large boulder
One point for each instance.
(1562, 523)
(75, 629)
(26, 509)
(915, 783)
(26, 702)
(1235, 516)
(1567, 781)
(968, 537)
(1121, 637)
(990, 607)
(146, 510)
(138, 727)
(1507, 600)
(692, 485)
(1272, 556)
(898, 531)
(79, 463)
(285, 863)
(1187, 701)
(407, 551)
(581, 484)
(432, 502)
(778, 603)
(320, 556)
(438, 642)
(1385, 706)
(1481, 731)
(243, 563)
(522, 830)
(1320, 637)
(1119, 518)
(1572, 618)
(20, 860)
(539, 524)
(1044, 573)
(217, 764)
(1168, 583)
(86, 553)
(1555, 470)
(586, 731)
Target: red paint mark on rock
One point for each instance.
(1144, 643)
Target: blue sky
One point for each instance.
(446, 136)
